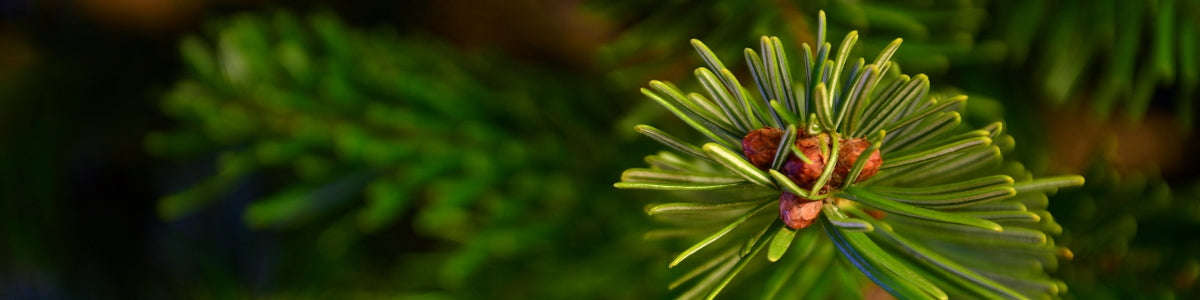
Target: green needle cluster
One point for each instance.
(355, 136)
(945, 217)
(343, 112)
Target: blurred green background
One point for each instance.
(467, 149)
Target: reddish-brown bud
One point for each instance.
(760, 146)
(796, 212)
(802, 173)
(850, 150)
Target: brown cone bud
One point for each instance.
(805, 174)
(796, 212)
(848, 154)
(760, 146)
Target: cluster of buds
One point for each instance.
(760, 147)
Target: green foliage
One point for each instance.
(1131, 51)
(957, 222)
(369, 132)
(386, 163)
(342, 112)
(938, 34)
(1111, 54)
